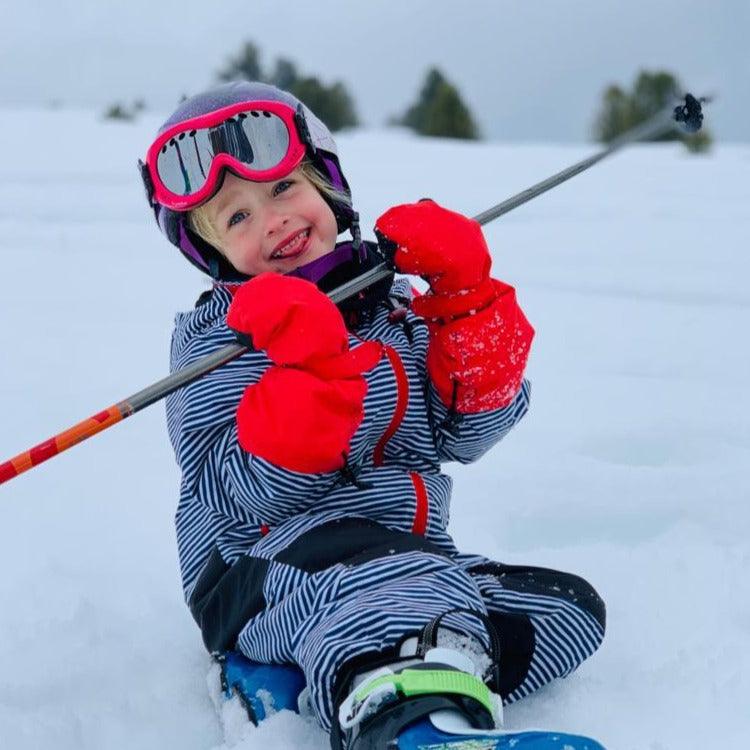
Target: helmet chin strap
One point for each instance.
(213, 268)
(357, 237)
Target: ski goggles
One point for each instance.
(259, 141)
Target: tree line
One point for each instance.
(439, 109)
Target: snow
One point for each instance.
(631, 468)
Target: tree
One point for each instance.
(117, 111)
(440, 111)
(246, 64)
(332, 104)
(616, 116)
(652, 92)
(284, 74)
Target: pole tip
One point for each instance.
(689, 113)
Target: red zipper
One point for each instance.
(402, 401)
(420, 513)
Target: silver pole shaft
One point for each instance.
(661, 123)
(188, 374)
(657, 125)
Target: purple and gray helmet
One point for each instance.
(320, 151)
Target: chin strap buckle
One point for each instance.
(358, 252)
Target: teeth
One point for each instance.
(291, 246)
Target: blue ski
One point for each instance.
(265, 689)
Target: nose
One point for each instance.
(275, 221)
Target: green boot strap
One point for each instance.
(413, 682)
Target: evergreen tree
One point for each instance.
(245, 65)
(285, 74)
(440, 111)
(651, 93)
(616, 116)
(332, 104)
(117, 111)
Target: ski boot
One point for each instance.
(262, 689)
(436, 699)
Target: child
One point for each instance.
(313, 511)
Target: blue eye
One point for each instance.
(283, 186)
(236, 218)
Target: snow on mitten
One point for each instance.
(476, 363)
(479, 337)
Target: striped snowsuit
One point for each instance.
(329, 570)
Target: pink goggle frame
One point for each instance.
(256, 140)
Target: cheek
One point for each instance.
(242, 246)
(327, 221)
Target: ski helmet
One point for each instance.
(311, 133)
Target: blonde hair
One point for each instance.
(200, 222)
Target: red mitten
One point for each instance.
(304, 410)
(447, 249)
(479, 337)
(290, 318)
(477, 363)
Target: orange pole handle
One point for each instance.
(64, 440)
(157, 391)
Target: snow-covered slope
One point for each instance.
(631, 468)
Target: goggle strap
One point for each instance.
(303, 131)
(213, 268)
(148, 183)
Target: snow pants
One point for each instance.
(344, 593)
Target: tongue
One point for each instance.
(296, 244)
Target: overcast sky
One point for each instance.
(529, 69)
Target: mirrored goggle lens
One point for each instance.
(257, 139)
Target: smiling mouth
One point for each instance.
(293, 246)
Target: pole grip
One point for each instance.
(66, 439)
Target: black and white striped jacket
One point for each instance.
(229, 499)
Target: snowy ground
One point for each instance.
(628, 470)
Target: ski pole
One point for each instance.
(689, 113)
(155, 392)
(688, 116)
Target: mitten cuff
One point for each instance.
(477, 362)
(445, 307)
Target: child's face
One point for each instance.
(271, 226)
